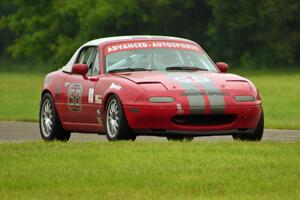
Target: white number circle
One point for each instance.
(191, 79)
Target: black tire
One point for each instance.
(257, 133)
(50, 125)
(115, 121)
(180, 138)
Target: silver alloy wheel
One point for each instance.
(112, 118)
(47, 118)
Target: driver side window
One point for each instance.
(95, 70)
(89, 56)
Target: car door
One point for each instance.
(79, 90)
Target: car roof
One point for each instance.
(100, 41)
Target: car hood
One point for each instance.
(178, 80)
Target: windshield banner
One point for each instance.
(124, 46)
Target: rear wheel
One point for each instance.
(50, 125)
(180, 138)
(116, 124)
(256, 135)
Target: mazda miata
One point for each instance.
(148, 85)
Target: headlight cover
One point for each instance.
(244, 98)
(161, 99)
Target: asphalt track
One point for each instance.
(29, 131)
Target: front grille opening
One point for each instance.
(204, 119)
(157, 130)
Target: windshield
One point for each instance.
(159, 56)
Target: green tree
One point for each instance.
(7, 36)
(261, 32)
(37, 28)
(238, 32)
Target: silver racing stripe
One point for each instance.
(217, 103)
(196, 103)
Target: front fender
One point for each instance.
(126, 90)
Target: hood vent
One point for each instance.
(149, 82)
(237, 81)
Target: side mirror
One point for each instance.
(223, 67)
(80, 69)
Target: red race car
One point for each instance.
(148, 85)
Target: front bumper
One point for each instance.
(157, 120)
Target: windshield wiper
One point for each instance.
(128, 70)
(185, 68)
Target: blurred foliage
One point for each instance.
(239, 32)
(262, 32)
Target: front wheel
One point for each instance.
(116, 124)
(50, 125)
(257, 133)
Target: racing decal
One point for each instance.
(124, 46)
(197, 105)
(190, 79)
(67, 84)
(179, 109)
(200, 93)
(74, 97)
(115, 86)
(98, 99)
(91, 95)
(195, 96)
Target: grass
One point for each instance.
(150, 170)
(20, 95)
